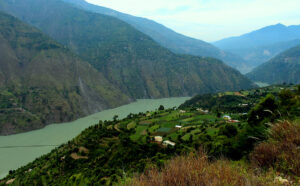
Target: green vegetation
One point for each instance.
(232, 102)
(284, 68)
(41, 82)
(279, 153)
(113, 151)
(129, 59)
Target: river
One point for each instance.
(20, 149)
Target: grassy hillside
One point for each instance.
(284, 68)
(166, 37)
(41, 82)
(128, 58)
(113, 151)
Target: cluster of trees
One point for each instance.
(236, 141)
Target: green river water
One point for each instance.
(18, 150)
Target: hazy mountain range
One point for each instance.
(284, 68)
(261, 45)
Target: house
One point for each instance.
(182, 111)
(178, 126)
(203, 111)
(167, 142)
(227, 117)
(158, 139)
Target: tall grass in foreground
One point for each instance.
(198, 170)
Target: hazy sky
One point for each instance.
(211, 20)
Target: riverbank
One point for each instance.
(44, 140)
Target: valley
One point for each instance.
(104, 152)
(60, 63)
(96, 95)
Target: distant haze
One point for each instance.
(211, 20)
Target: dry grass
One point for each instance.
(282, 150)
(197, 170)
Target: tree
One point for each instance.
(228, 130)
(264, 111)
(161, 107)
(191, 138)
(115, 118)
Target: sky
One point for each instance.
(211, 20)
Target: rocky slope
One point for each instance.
(42, 82)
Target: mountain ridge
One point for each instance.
(177, 43)
(129, 59)
(270, 34)
(261, 45)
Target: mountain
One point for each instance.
(258, 55)
(166, 37)
(42, 82)
(284, 68)
(129, 59)
(261, 45)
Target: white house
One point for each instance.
(158, 138)
(206, 111)
(178, 126)
(182, 111)
(167, 142)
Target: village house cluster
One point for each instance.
(159, 139)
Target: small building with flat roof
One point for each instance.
(167, 142)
